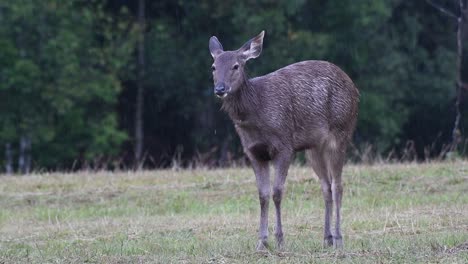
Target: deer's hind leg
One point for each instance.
(320, 168)
(334, 155)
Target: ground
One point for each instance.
(401, 213)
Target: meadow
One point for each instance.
(392, 213)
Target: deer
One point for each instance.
(306, 106)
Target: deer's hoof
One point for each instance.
(338, 243)
(328, 241)
(262, 245)
(279, 243)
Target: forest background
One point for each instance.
(121, 83)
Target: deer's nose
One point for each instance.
(220, 89)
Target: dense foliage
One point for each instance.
(68, 73)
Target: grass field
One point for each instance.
(411, 213)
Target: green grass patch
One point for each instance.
(401, 213)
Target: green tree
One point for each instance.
(60, 79)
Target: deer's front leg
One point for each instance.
(282, 162)
(262, 176)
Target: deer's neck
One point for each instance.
(243, 102)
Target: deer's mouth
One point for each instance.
(222, 93)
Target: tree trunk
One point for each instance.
(8, 159)
(139, 137)
(456, 133)
(24, 159)
(27, 157)
(461, 24)
(461, 20)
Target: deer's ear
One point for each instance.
(215, 47)
(252, 48)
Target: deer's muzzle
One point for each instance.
(220, 90)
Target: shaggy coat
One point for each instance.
(309, 105)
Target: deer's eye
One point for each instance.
(235, 67)
(213, 68)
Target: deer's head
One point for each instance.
(228, 66)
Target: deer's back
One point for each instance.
(311, 101)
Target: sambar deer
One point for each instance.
(309, 105)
